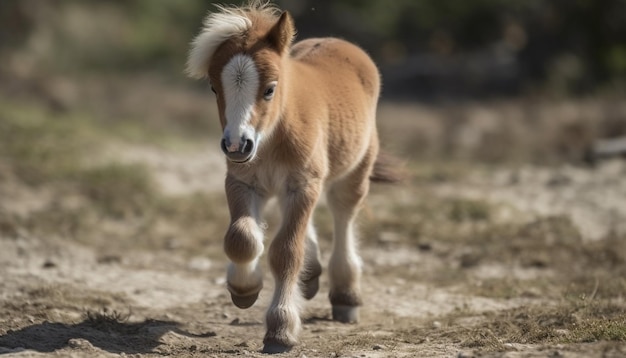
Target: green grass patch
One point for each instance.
(119, 190)
(428, 217)
(599, 329)
(465, 209)
(109, 205)
(40, 146)
(567, 322)
(549, 323)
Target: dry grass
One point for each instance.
(568, 322)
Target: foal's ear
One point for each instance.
(282, 33)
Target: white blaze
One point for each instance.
(240, 80)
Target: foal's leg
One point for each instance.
(310, 273)
(344, 199)
(287, 256)
(243, 243)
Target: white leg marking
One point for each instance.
(345, 264)
(249, 275)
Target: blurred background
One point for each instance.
(426, 49)
(487, 80)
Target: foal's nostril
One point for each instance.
(237, 152)
(247, 147)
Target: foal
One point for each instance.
(297, 120)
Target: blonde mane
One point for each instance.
(227, 22)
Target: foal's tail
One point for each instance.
(388, 170)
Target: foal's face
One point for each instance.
(247, 87)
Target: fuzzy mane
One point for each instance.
(227, 22)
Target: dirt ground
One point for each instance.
(465, 260)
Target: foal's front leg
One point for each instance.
(287, 256)
(243, 243)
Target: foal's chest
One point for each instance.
(266, 180)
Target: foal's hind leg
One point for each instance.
(310, 273)
(344, 199)
(243, 243)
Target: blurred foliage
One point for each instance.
(501, 46)
(39, 147)
(119, 190)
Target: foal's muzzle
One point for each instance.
(240, 152)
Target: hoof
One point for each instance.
(275, 348)
(310, 287)
(244, 302)
(346, 314)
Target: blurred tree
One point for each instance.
(15, 23)
(424, 48)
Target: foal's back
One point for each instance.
(339, 84)
(339, 62)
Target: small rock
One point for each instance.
(436, 324)
(378, 347)
(559, 179)
(79, 343)
(465, 355)
(234, 322)
(425, 246)
(109, 259)
(49, 264)
(469, 259)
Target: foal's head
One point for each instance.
(241, 52)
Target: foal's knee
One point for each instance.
(243, 241)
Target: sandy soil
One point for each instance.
(60, 297)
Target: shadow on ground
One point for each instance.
(111, 336)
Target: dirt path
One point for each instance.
(187, 310)
(60, 297)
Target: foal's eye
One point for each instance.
(269, 91)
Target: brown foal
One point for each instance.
(298, 120)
